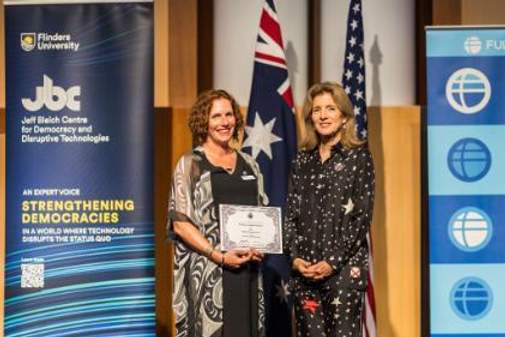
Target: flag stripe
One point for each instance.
(270, 63)
(369, 327)
(269, 23)
(285, 91)
(270, 58)
(288, 97)
(269, 46)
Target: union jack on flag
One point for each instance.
(271, 140)
(354, 85)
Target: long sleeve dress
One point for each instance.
(198, 292)
(329, 211)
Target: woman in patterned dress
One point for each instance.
(333, 181)
(216, 294)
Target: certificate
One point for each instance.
(251, 227)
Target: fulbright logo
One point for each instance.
(473, 45)
(28, 41)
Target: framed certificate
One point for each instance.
(251, 227)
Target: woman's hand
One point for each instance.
(236, 258)
(322, 270)
(257, 256)
(303, 267)
(316, 272)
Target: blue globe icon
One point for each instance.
(468, 90)
(471, 298)
(469, 159)
(470, 229)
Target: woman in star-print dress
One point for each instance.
(329, 210)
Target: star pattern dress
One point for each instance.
(198, 282)
(329, 211)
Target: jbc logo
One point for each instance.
(53, 97)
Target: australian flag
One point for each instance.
(271, 140)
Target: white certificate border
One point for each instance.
(225, 210)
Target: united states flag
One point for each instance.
(354, 66)
(354, 85)
(271, 140)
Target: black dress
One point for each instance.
(240, 286)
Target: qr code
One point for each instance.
(32, 275)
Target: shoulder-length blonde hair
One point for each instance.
(198, 121)
(349, 138)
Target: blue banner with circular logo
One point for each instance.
(79, 138)
(466, 188)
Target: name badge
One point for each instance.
(248, 177)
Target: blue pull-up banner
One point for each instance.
(79, 137)
(466, 189)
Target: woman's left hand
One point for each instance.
(257, 255)
(322, 270)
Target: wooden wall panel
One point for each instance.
(183, 81)
(162, 169)
(395, 144)
(446, 12)
(479, 12)
(181, 136)
(205, 46)
(173, 137)
(161, 54)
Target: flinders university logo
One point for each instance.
(53, 97)
(468, 90)
(53, 41)
(28, 41)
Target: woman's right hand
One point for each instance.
(303, 267)
(236, 258)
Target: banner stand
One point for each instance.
(466, 189)
(79, 173)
